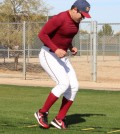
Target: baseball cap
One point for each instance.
(83, 6)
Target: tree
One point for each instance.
(18, 11)
(106, 30)
(22, 10)
(105, 34)
(83, 32)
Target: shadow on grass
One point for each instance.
(79, 118)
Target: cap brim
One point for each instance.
(86, 15)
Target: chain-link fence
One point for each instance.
(108, 52)
(98, 51)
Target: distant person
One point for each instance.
(57, 35)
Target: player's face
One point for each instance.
(82, 17)
(78, 17)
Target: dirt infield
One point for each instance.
(108, 73)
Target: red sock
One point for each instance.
(64, 108)
(49, 102)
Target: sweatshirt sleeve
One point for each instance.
(48, 29)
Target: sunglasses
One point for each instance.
(83, 17)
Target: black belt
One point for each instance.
(51, 51)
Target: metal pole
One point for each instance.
(103, 46)
(28, 55)
(80, 47)
(91, 49)
(8, 53)
(88, 47)
(24, 57)
(94, 51)
(119, 46)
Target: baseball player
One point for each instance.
(57, 35)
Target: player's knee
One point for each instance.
(75, 87)
(60, 88)
(70, 94)
(64, 85)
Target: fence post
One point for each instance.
(91, 50)
(119, 46)
(80, 47)
(94, 51)
(24, 55)
(8, 53)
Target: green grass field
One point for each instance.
(93, 112)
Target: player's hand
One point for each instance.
(74, 50)
(60, 53)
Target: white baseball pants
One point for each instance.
(61, 71)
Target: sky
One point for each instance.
(102, 11)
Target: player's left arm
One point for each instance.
(73, 50)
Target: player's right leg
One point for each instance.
(59, 123)
(68, 98)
